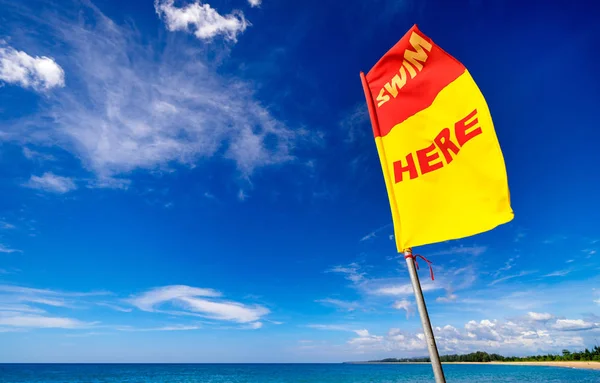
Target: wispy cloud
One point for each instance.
(507, 266)
(34, 291)
(351, 272)
(148, 300)
(129, 106)
(462, 250)
(330, 327)
(558, 273)
(21, 308)
(6, 225)
(574, 325)
(447, 299)
(163, 328)
(404, 289)
(197, 301)
(21, 300)
(201, 19)
(242, 195)
(340, 304)
(355, 125)
(39, 321)
(254, 3)
(521, 233)
(508, 277)
(50, 182)
(374, 233)
(7, 250)
(31, 154)
(114, 307)
(37, 73)
(405, 305)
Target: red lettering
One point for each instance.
(425, 159)
(446, 145)
(460, 128)
(410, 167)
(429, 157)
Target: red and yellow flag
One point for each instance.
(442, 164)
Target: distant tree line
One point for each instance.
(480, 356)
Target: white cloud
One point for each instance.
(508, 277)
(201, 19)
(539, 316)
(574, 325)
(4, 249)
(6, 225)
(37, 73)
(23, 301)
(20, 308)
(330, 327)
(559, 273)
(368, 236)
(225, 310)
(343, 305)
(489, 335)
(164, 328)
(447, 299)
(32, 154)
(39, 321)
(374, 233)
(51, 183)
(406, 306)
(148, 300)
(351, 271)
(355, 124)
(33, 291)
(133, 106)
(254, 326)
(114, 307)
(405, 289)
(507, 266)
(254, 3)
(365, 339)
(45, 301)
(187, 298)
(463, 250)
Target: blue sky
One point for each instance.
(187, 182)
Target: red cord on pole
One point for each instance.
(414, 257)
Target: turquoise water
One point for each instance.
(285, 373)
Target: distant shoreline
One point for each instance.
(578, 365)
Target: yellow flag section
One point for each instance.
(442, 164)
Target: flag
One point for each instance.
(442, 164)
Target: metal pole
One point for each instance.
(431, 346)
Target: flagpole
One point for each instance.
(438, 372)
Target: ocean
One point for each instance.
(285, 373)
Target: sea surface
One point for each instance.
(285, 373)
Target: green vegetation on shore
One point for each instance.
(480, 356)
